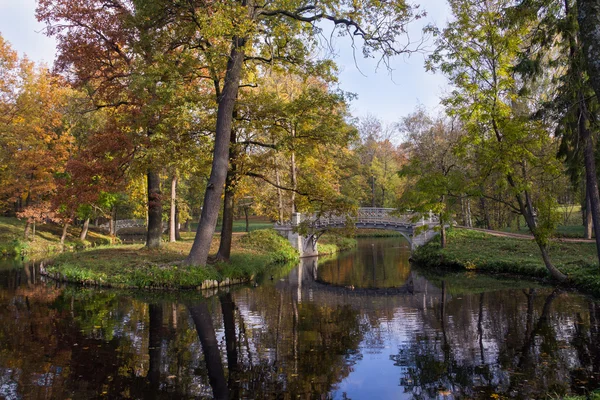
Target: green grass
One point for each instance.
(46, 239)
(478, 251)
(595, 395)
(331, 243)
(240, 225)
(133, 266)
(562, 231)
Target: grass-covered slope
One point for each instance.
(133, 266)
(46, 239)
(478, 251)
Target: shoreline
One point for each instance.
(258, 253)
(510, 256)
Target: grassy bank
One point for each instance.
(133, 266)
(239, 225)
(478, 251)
(331, 244)
(46, 239)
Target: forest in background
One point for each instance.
(166, 111)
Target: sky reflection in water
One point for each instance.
(321, 331)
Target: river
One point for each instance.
(362, 325)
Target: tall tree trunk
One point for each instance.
(526, 209)
(33, 230)
(212, 197)
(373, 191)
(173, 216)
(279, 192)
(64, 234)
(589, 21)
(294, 179)
(228, 202)
(247, 221)
(27, 229)
(486, 215)
(590, 171)
(112, 222)
(154, 211)
(469, 218)
(210, 346)
(443, 238)
(589, 32)
(84, 229)
(177, 233)
(588, 221)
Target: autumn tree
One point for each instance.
(292, 136)
(126, 56)
(478, 54)
(436, 176)
(280, 32)
(589, 20)
(380, 160)
(36, 138)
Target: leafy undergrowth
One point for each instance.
(477, 251)
(46, 239)
(133, 266)
(332, 243)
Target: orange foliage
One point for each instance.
(36, 142)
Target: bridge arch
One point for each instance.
(365, 218)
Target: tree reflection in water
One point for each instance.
(291, 338)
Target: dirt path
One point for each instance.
(523, 236)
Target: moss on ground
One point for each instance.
(46, 239)
(478, 251)
(133, 266)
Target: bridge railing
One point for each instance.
(370, 216)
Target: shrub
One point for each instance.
(13, 248)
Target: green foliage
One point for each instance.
(128, 266)
(332, 243)
(13, 248)
(270, 242)
(595, 395)
(481, 252)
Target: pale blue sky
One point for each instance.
(379, 94)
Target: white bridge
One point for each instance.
(416, 228)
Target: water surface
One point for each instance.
(363, 326)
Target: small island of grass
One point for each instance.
(133, 266)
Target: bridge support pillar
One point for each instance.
(306, 245)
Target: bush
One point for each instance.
(13, 248)
(270, 242)
(332, 243)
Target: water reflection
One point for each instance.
(293, 337)
(378, 263)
